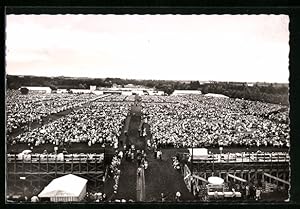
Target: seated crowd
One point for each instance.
(208, 121)
(160, 99)
(117, 98)
(24, 109)
(98, 122)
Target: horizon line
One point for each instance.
(147, 79)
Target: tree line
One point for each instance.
(271, 93)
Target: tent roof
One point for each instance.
(68, 185)
(215, 180)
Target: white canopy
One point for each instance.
(199, 153)
(215, 180)
(65, 186)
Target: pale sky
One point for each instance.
(247, 48)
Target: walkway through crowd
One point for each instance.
(147, 184)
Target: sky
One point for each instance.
(242, 48)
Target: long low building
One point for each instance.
(216, 95)
(120, 91)
(35, 89)
(186, 92)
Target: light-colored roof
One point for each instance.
(216, 95)
(68, 185)
(198, 151)
(37, 88)
(187, 92)
(215, 180)
(83, 90)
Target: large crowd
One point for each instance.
(117, 98)
(160, 99)
(97, 122)
(23, 109)
(209, 121)
(177, 121)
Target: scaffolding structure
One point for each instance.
(260, 167)
(35, 171)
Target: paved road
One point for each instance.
(128, 179)
(127, 182)
(162, 177)
(140, 186)
(133, 137)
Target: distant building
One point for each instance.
(156, 93)
(92, 88)
(186, 92)
(216, 95)
(97, 92)
(61, 91)
(129, 86)
(35, 89)
(80, 91)
(137, 92)
(130, 91)
(127, 93)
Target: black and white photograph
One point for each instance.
(147, 108)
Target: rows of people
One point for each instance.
(98, 122)
(160, 99)
(115, 171)
(23, 109)
(118, 98)
(207, 121)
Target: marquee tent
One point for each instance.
(215, 180)
(68, 188)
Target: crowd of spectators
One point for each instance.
(95, 197)
(200, 121)
(97, 122)
(118, 98)
(23, 109)
(115, 172)
(178, 121)
(160, 99)
(176, 163)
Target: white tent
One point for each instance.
(215, 180)
(199, 153)
(68, 188)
